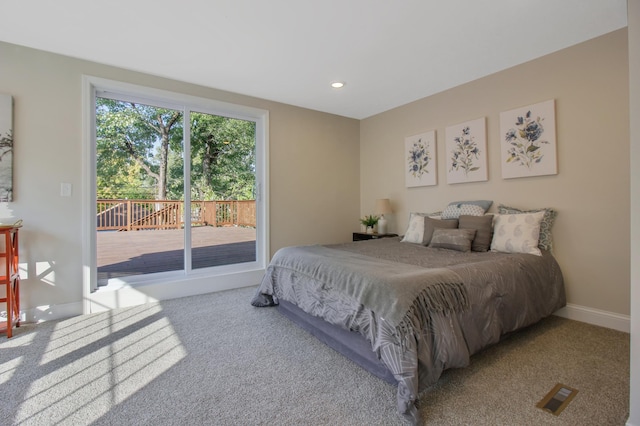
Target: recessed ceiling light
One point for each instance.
(337, 84)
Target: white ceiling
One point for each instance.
(388, 52)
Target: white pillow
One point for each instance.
(415, 230)
(454, 211)
(517, 233)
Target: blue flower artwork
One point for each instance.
(528, 141)
(525, 141)
(419, 158)
(466, 149)
(465, 152)
(420, 155)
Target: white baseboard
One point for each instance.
(575, 312)
(596, 317)
(128, 295)
(52, 312)
(123, 295)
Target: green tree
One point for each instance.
(130, 183)
(128, 134)
(140, 150)
(222, 157)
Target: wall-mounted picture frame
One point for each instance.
(6, 148)
(420, 160)
(466, 145)
(528, 141)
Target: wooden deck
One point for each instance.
(143, 252)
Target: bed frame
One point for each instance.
(349, 343)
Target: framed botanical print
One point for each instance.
(420, 159)
(528, 141)
(6, 148)
(467, 151)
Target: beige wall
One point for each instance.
(319, 172)
(589, 83)
(313, 164)
(315, 179)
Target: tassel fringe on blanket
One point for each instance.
(441, 297)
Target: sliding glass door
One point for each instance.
(175, 188)
(223, 190)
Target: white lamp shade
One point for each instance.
(383, 206)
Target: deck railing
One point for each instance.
(134, 215)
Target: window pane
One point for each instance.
(223, 206)
(139, 189)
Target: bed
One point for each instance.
(408, 311)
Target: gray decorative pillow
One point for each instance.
(431, 225)
(483, 226)
(545, 241)
(452, 239)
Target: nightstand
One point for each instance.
(361, 236)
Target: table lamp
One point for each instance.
(383, 206)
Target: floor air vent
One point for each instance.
(557, 399)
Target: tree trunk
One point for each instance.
(164, 155)
(165, 130)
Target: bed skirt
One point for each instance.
(349, 343)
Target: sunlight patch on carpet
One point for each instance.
(94, 362)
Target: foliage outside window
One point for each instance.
(140, 154)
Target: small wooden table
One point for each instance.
(10, 277)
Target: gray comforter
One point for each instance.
(423, 310)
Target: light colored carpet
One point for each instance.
(216, 360)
